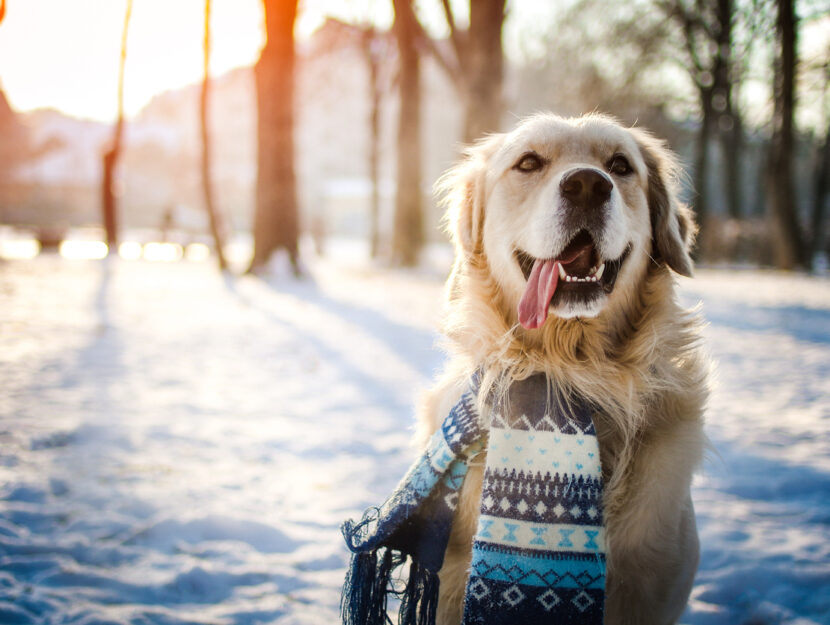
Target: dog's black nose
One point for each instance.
(586, 187)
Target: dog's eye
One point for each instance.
(529, 162)
(619, 165)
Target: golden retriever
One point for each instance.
(566, 234)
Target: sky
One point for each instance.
(64, 55)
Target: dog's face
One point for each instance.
(568, 213)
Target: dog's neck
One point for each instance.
(610, 363)
(486, 328)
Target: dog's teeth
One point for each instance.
(599, 271)
(562, 273)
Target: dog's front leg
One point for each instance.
(653, 548)
(453, 575)
(434, 406)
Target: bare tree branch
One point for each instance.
(427, 44)
(456, 36)
(688, 23)
(207, 186)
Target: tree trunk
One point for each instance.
(787, 240)
(484, 67)
(276, 219)
(820, 189)
(408, 235)
(108, 201)
(112, 153)
(372, 54)
(724, 96)
(701, 177)
(207, 187)
(732, 147)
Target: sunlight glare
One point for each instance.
(83, 250)
(197, 252)
(19, 249)
(130, 250)
(163, 252)
(64, 55)
(239, 251)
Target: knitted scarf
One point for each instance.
(539, 551)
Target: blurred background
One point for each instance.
(741, 90)
(221, 274)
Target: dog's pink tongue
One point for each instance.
(541, 285)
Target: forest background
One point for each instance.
(352, 111)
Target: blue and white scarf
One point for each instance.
(539, 551)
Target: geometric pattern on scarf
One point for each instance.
(539, 550)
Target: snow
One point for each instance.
(178, 447)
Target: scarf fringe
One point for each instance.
(369, 584)
(420, 599)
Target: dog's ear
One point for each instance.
(672, 227)
(462, 191)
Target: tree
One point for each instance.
(408, 233)
(731, 69)
(821, 168)
(373, 44)
(820, 191)
(276, 217)
(706, 30)
(480, 59)
(112, 152)
(16, 143)
(788, 248)
(207, 188)
(476, 65)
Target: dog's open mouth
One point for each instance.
(577, 274)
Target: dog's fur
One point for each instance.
(634, 352)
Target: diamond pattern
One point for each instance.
(541, 558)
(549, 599)
(582, 601)
(513, 595)
(478, 589)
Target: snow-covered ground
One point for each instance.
(176, 447)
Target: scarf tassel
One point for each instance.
(420, 598)
(369, 584)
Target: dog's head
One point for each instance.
(566, 215)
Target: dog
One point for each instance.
(567, 233)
